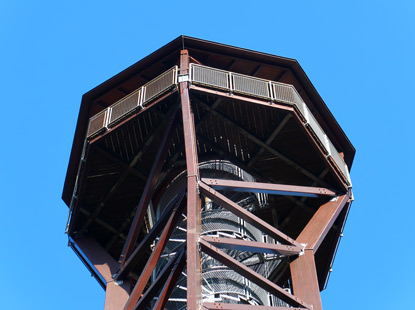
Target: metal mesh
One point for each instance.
(97, 122)
(338, 160)
(220, 283)
(124, 106)
(250, 86)
(284, 93)
(159, 85)
(318, 132)
(210, 77)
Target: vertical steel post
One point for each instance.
(194, 274)
(304, 279)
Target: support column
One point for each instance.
(303, 269)
(116, 295)
(304, 279)
(194, 274)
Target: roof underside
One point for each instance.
(211, 54)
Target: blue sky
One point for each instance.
(358, 54)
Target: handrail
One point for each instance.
(133, 101)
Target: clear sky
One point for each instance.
(358, 54)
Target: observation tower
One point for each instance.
(207, 176)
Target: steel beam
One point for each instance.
(194, 272)
(251, 275)
(304, 279)
(252, 246)
(246, 215)
(152, 261)
(321, 222)
(273, 189)
(103, 263)
(150, 186)
(116, 295)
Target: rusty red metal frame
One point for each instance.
(303, 269)
(274, 189)
(251, 246)
(149, 188)
(194, 269)
(321, 222)
(304, 279)
(154, 257)
(247, 216)
(104, 265)
(251, 275)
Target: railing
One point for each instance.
(223, 80)
(271, 91)
(130, 103)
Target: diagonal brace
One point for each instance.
(246, 215)
(251, 275)
(273, 189)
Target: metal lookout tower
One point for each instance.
(207, 176)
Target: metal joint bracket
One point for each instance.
(119, 283)
(183, 78)
(334, 198)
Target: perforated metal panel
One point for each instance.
(284, 93)
(338, 160)
(124, 106)
(159, 85)
(210, 77)
(318, 132)
(97, 123)
(251, 86)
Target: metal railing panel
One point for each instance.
(159, 85)
(283, 92)
(318, 132)
(210, 77)
(251, 86)
(97, 123)
(124, 106)
(338, 160)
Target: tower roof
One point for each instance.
(210, 53)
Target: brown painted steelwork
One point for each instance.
(129, 168)
(193, 267)
(252, 246)
(252, 275)
(274, 189)
(246, 215)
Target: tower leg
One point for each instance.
(194, 274)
